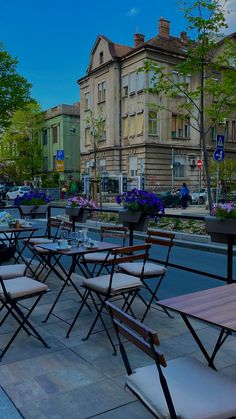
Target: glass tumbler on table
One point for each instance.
(74, 238)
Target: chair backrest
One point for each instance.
(161, 238)
(66, 226)
(144, 338)
(121, 233)
(53, 223)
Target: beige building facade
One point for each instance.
(140, 145)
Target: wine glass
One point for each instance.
(74, 238)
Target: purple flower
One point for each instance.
(140, 200)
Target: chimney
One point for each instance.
(164, 27)
(138, 39)
(183, 37)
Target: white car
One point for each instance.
(17, 191)
(199, 197)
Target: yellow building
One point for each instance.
(139, 146)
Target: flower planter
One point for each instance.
(220, 230)
(137, 220)
(33, 211)
(77, 214)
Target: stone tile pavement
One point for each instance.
(79, 379)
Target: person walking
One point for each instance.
(184, 192)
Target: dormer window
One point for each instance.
(101, 58)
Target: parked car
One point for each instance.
(172, 200)
(17, 190)
(199, 197)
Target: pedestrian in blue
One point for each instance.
(184, 192)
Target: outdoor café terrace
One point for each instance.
(75, 378)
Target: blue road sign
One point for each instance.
(60, 154)
(220, 141)
(219, 154)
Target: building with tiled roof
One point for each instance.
(140, 146)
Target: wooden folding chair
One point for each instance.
(153, 268)
(119, 235)
(184, 389)
(12, 292)
(102, 288)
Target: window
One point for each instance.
(102, 165)
(179, 167)
(87, 100)
(180, 128)
(233, 131)
(101, 58)
(87, 136)
(139, 124)
(45, 163)
(125, 127)
(152, 123)
(54, 134)
(125, 87)
(132, 83)
(226, 130)
(184, 80)
(213, 132)
(45, 137)
(54, 163)
(232, 61)
(132, 126)
(101, 91)
(133, 166)
(151, 80)
(140, 81)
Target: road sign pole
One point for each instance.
(217, 182)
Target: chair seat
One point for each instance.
(97, 257)
(119, 281)
(38, 240)
(197, 391)
(21, 287)
(40, 249)
(12, 271)
(135, 268)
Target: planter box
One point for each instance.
(220, 230)
(33, 211)
(137, 220)
(77, 214)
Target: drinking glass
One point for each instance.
(74, 238)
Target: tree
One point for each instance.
(14, 89)
(213, 98)
(20, 141)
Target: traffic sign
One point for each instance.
(199, 164)
(59, 165)
(219, 154)
(60, 155)
(220, 141)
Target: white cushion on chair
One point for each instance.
(23, 286)
(119, 282)
(135, 268)
(12, 271)
(38, 240)
(97, 257)
(197, 391)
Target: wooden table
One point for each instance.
(215, 306)
(75, 253)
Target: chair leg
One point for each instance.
(85, 297)
(154, 297)
(99, 316)
(22, 323)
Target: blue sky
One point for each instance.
(52, 39)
